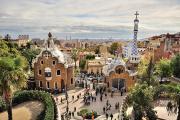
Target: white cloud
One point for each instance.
(92, 18)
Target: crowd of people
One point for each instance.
(89, 98)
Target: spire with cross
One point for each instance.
(136, 21)
(136, 14)
(134, 50)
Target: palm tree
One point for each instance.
(12, 77)
(75, 55)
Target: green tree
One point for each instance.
(147, 75)
(8, 49)
(30, 54)
(4, 50)
(96, 50)
(12, 77)
(114, 47)
(175, 63)
(82, 64)
(75, 56)
(142, 67)
(149, 70)
(28, 45)
(90, 57)
(173, 92)
(141, 98)
(163, 68)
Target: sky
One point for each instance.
(88, 18)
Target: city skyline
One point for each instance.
(83, 19)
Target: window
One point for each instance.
(47, 85)
(91, 70)
(47, 72)
(55, 85)
(39, 72)
(42, 62)
(119, 70)
(58, 72)
(71, 80)
(54, 62)
(40, 84)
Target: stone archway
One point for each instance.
(118, 83)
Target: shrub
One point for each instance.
(90, 57)
(87, 113)
(2, 105)
(49, 112)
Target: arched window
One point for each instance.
(47, 85)
(119, 70)
(58, 72)
(71, 80)
(39, 72)
(40, 84)
(55, 86)
(54, 62)
(47, 72)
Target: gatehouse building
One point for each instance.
(53, 69)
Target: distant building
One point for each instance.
(164, 46)
(103, 49)
(22, 40)
(95, 66)
(53, 69)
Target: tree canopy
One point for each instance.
(175, 63)
(114, 47)
(90, 57)
(163, 68)
(141, 98)
(75, 55)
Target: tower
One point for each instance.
(49, 43)
(134, 56)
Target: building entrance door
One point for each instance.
(62, 85)
(118, 83)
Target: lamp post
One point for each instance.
(66, 95)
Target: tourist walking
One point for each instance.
(72, 114)
(104, 109)
(95, 99)
(107, 102)
(101, 98)
(74, 109)
(111, 94)
(57, 100)
(62, 117)
(73, 97)
(106, 95)
(61, 100)
(111, 116)
(107, 115)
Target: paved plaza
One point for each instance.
(94, 106)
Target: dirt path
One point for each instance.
(25, 111)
